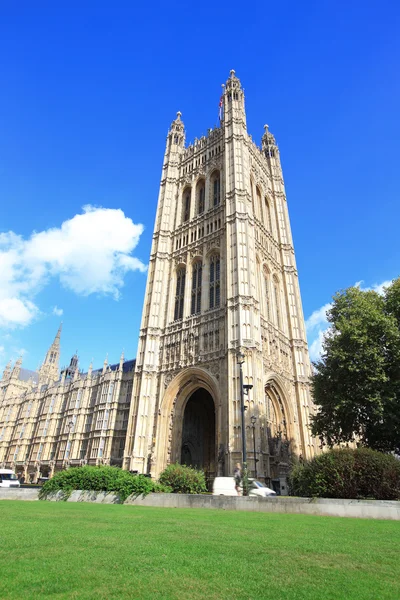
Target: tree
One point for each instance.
(356, 384)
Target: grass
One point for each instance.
(87, 551)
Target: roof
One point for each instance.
(127, 366)
(26, 374)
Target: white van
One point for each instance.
(8, 479)
(224, 486)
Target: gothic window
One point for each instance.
(216, 189)
(186, 205)
(259, 204)
(196, 288)
(215, 281)
(268, 224)
(180, 293)
(200, 198)
(267, 299)
(277, 302)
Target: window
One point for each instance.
(267, 301)
(267, 216)
(214, 282)
(180, 293)
(186, 205)
(196, 288)
(83, 449)
(88, 424)
(100, 419)
(259, 203)
(277, 302)
(200, 198)
(95, 448)
(216, 190)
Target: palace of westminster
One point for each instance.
(222, 284)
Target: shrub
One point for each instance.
(348, 473)
(100, 479)
(184, 480)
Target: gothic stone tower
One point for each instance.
(222, 280)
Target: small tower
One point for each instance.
(7, 371)
(69, 372)
(49, 372)
(17, 369)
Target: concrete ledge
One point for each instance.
(19, 494)
(367, 509)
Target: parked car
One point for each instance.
(257, 488)
(8, 479)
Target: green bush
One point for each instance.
(183, 480)
(101, 479)
(348, 473)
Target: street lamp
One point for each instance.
(253, 420)
(244, 389)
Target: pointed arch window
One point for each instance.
(215, 283)
(216, 189)
(180, 293)
(201, 198)
(268, 224)
(186, 205)
(197, 274)
(277, 302)
(259, 203)
(266, 295)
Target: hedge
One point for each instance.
(348, 473)
(184, 480)
(101, 479)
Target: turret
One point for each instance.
(7, 371)
(48, 372)
(268, 144)
(233, 102)
(69, 372)
(17, 369)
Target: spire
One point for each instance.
(57, 338)
(121, 361)
(7, 371)
(90, 369)
(48, 372)
(105, 364)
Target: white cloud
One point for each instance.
(318, 319)
(90, 253)
(376, 287)
(58, 311)
(317, 326)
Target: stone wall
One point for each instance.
(367, 509)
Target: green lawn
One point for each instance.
(67, 550)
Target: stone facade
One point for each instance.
(222, 279)
(50, 421)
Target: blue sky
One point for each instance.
(88, 92)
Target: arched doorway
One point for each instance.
(198, 432)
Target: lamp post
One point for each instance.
(253, 420)
(244, 389)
